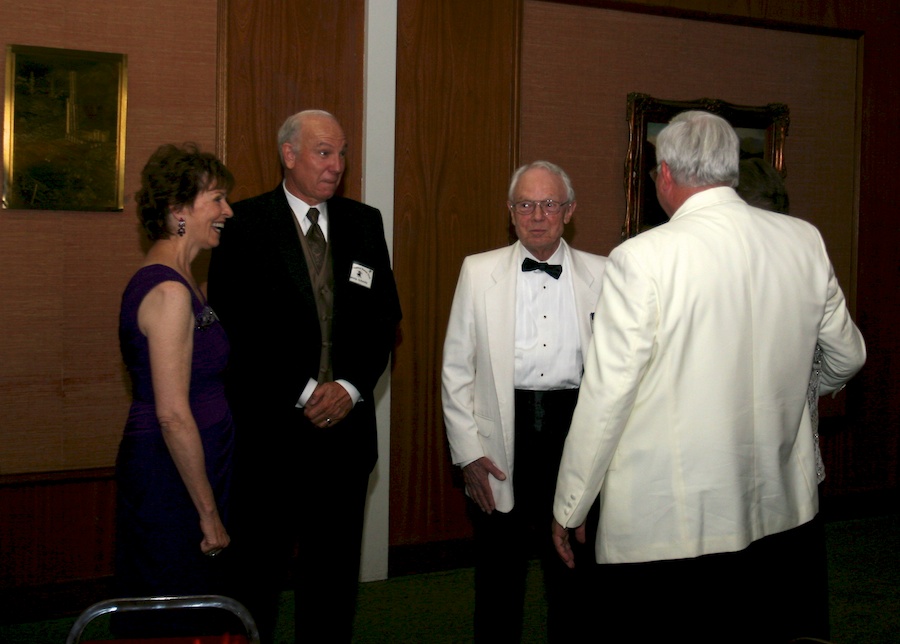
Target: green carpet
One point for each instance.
(436, 608)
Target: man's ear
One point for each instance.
(288, 155)
(665, 173)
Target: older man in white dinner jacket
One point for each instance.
(512, 365)
(692, 422)
(479, 353)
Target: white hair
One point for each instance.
(292, 128)
(552, 168)
(701, 149)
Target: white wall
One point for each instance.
(378, 191)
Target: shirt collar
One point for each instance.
(558, 256)
(300, 208)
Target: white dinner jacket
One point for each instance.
(479, 355)
(692, 420)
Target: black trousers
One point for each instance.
(505, 542)
(299, 508)
(771, 592)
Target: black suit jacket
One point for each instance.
(259, 286)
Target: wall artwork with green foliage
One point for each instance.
(64, 129)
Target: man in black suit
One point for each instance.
(302, 283)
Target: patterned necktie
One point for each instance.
(315, 239)
(553, 270)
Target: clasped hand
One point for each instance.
(328, 405)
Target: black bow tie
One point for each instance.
(553, 270)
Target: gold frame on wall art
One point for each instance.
(762, 131)
(64, 134)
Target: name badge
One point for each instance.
(362, 275)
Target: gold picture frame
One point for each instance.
(64, 134)
(762, 131)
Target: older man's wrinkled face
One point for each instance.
(315, 164)
(540, 231)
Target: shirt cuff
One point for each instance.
(355, 396)
(310, 387)
(307, 392)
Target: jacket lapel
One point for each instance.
(288, 245)
(342, 248)
(500, 307)
(585, 296)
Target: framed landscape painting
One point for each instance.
(64, 134)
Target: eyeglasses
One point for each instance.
(548, 206)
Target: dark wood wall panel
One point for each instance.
(57, 541)
(283, 57)
(456, 95)
(869, 456)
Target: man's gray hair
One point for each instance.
(291, 129)
(701, 149)
(545, 165)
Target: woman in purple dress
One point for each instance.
(174, 464)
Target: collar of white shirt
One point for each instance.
(300, 208)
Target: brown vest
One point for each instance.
(323, 290)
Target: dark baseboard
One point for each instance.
(861, 505)
(430, 557)
(52, 601)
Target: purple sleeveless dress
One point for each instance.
(158, 528)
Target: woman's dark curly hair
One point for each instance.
(173, 177)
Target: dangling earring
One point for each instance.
(181, 227)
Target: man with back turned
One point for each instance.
(693, 424)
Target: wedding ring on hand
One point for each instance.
(327, 421)
(213, 553)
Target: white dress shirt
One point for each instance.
(548, 346)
